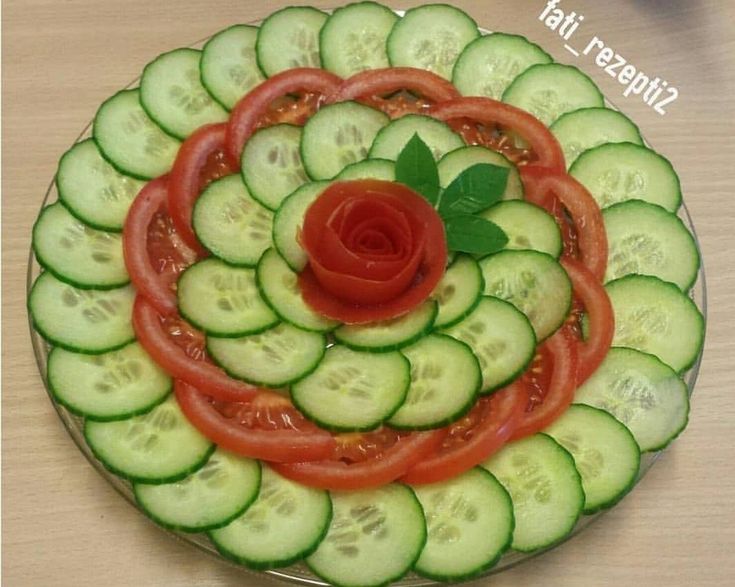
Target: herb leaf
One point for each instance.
(416, 168)
(474, 234)
(476, 188)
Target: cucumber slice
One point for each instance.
(172, 94)
(489, 64)
(288, 221)
(584, 129)
(605, 454)
(643, 393)
(353, 390)
(431, 37)
(285, 523)
(82, 320)
(527, 226)
(549, 90)
(271, 164)
(223, 300)
(501, 337)
(617, 172)
(445, 380)
(370, 169)
(353, 38)
(338, 135)
(545, 487)
(375, 537)
(391, 139)
(655, 317)
(92, 189)
(645, 238)
(289, 38)
(469, 524)
(209, 498)
(77, 254)
(459, 291)
(275, 358)
(109, 386)
(160, 446)
(228, 67)
(389, 335)
(128, 138)
(230, 223)
(534, 283)
(455, 162)
(279, 287)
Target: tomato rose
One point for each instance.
(376, 249)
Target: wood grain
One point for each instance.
(64, 525)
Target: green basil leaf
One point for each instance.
(474, 234)
(476, 188)
(416, 168)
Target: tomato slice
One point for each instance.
(550, 384)
(545, 187)
(249, 111)
(474, 438)
(175, 360)
(383, 466)
(200, 160)
(601, 319)
(489, 112)
(267, 428)
(373, 85)
(154, 256)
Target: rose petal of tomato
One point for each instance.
(248, 111)
(172, 358)
(490, 112)
(380, 82)
(562, 386)
(386, 467)
(501, 412)
(271, 445)
(601, 319)
(185, 181)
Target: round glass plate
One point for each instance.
(299, 573)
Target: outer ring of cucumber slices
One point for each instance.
(73, 423)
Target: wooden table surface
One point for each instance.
(64, 525)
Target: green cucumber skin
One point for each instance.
(181, 528)
(149, 480)
(471, 308)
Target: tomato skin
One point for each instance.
(561, 386)
(278, 446)
(601, 319)
(379, 82)
(185, 180)
(248, 111)
(385, 468)
(174, 360)
(501, 412)
(542, 185)
(489, 112)
(151, 199)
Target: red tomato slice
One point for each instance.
(544, 187)
(601, 319)
(474, 438)
(267, 428)
(248, 112)
(172, 358)
(373, 84)
(550, 384)
(154, 256)
(382, 467)
(487, 111)
(200, 160)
